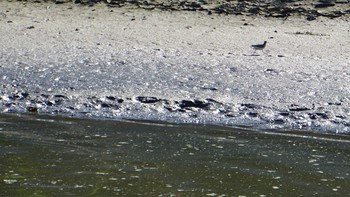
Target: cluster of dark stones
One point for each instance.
(269, 8)
(292, 113)
(104, 107)
(17, 101)
(177, 106)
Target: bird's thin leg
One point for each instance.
(254, 52)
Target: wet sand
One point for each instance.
(117, 63)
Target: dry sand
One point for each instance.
(182, 66)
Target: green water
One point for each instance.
(55, 156)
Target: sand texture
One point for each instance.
(109, 62)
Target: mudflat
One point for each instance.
(125, 62)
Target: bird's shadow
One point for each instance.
(251, 54)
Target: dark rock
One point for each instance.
(45, 95)
(230, 115)
(59, 1)
(254, 10)
(105, 105)
(9, 104)
(279, 15)
(337, 103)
(71, 108)
(112, 98)
(324, 5)
(233, 69)
(32, 109)
(326, 1)
(322, 115)
(313, 116)
(87, 105)
(92, 97)
(317, 115)
(299, 109)
(341, 116)
(49, 103)
(25, 94)
(166, 102)
(193, 115)
(333, 14)
(284, 113)
(213, 101)
(144, 99)
(169, 108)
(60, 96)
(19, 96)
(278, 121)
(14, 97)
(181, 110)
(253, 114)
(310, 17)
(58, 102)
(271, 70)
(209, 88)
(249, 105)
(342, 1)
(195, 103)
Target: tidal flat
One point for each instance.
(121, 62)
(115, 100)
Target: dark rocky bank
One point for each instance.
(311, 9)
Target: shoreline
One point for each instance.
(183, 67)
(311, 9)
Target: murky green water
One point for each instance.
(54, 156)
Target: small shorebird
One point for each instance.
(259, 46)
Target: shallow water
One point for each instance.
(56, 156)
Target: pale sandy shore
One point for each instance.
(178, 66)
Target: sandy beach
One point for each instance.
(108, 62)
